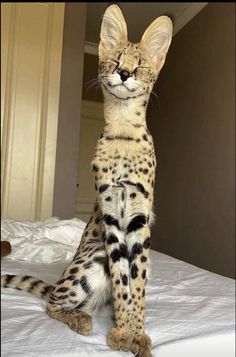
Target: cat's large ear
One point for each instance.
(156, 41)
(113, 30)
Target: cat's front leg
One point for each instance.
(111, 203)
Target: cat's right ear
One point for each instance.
(113, 30)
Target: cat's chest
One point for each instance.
(124, 159)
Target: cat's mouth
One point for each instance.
(121, 91)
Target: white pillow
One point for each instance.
(43, 241)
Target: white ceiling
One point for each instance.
(138, 16)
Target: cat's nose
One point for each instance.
(124, 75)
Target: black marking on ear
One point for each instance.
(136, 223)
(103, 188)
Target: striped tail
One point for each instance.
(27, 283)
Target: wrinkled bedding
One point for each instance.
(189, 311)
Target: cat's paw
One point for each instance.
(120, 339)
(81, 323)
(142, 346)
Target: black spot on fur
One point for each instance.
(112, 239)
(75, 282)
(117, 282)
(136, 223)
(142, 190)
(62, 290)
(146, 243)
(104, 169)
(133, 195)
(143, 259)
(85, 285)
(103, 188)
(145, 171)
(34, 284)
(125, 296)
(108, 198)
(144, 274)
(138, 113)
(145, 137)
(8, 279)
(26, 277)
(110, 221)
(97, 220)
(71, 277)
(61, 281)
(124, 279)
(87, 265)
(82, 304)
(95, 233)
(136, 250)
(115, 255)
(123, 251)
(74, 270)
(122, 213)
(72, 293)
(95, 168)
(47, 289)
(134, 271)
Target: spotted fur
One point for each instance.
(111, 263)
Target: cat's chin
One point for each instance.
(121, 92)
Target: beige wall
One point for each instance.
(193, 126)
(93, 93)
(65, 192)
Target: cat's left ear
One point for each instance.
(156, 41)
(113, 30)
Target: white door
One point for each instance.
(31, 51)
(91, 127)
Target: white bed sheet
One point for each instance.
(189, 312)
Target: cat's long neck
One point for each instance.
(122, 116)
